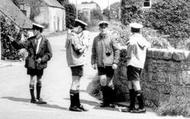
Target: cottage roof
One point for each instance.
(53, 3)
(10, 10)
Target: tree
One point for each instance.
(35, 8)
(106, 12)
(131, 11)
(114, 10)
(96, 14)
(70, 14)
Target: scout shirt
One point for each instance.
(137, 50)
(79, 42)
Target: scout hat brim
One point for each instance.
(80, 23)
(101, 23)
(136, 25)
(37, 25)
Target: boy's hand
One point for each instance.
(114, 66)
(39, 60)
(94, 66)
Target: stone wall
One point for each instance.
(165, 81)
(166, 77)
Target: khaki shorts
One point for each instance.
(77, 70)
(133, 73)
(108, 71)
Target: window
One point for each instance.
(147, 4)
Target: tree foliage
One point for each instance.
(131, 11)
(35, 8)
(70, 14)
(106, 12)
(114, 10)
(96, 14)
(8, 29)
(170, 17)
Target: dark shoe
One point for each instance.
(40, 101)
(104, 105)
(75, 108)
(138, 111)
(107, 105)
(125, 110)
(82, 108)
(112, 105)
(128, 110)
(33, 101)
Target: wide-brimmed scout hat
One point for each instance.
(103, 23)
(80, 23)
(136, 25)
(37, 26)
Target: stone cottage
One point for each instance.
(51, 13)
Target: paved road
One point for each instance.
(14, 94)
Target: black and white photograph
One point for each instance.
(94, 59)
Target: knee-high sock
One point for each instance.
(77, 98)
(32, 92)
(74, 97)
(140, 99)
(106, 94)
(38, 89)
(132, 98)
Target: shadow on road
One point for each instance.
(28, 101)
(17, 99)
(53, 106)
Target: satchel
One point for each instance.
(30, 63)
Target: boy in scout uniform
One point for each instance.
(137, 48)
(39, 53)
(105, 56)
(76, 46)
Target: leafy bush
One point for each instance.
(8, 29)
(170, 17)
